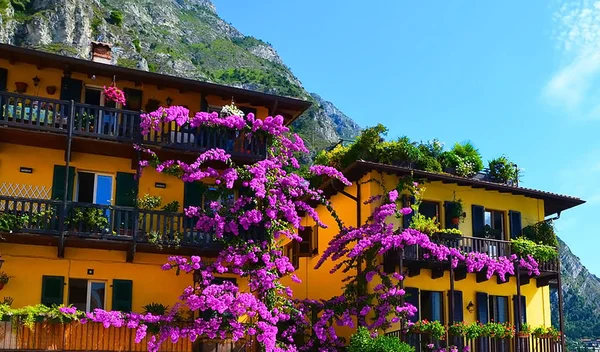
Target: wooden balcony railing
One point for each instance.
(76, 337)
(111, 223)
(493, 248)
(482, 344)
(104, 123)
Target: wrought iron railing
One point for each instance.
(77, 337)
(101, 122)
(482, 344)
(109, 222)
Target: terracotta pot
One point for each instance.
(51, 90)
(21, 87)
(1, 285)
(455, 221)
(524, 334)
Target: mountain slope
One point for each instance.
(581, 292)
(177, 37)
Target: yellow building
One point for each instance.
(504, 208)
(77, 242)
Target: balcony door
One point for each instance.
(94, 188)
(106, 120)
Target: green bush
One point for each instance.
(362, 341)
(541, 233)
(468, 153)
(522, 247)
(116, 18)
(503, 170)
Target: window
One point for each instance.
(291, 251)
(87, 295)
(495, 220)
(432, 306)
(430, 209)
(498, 308)
(310, 241)
(94, 188)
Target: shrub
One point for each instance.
(116, 18)
(468, 153)
(541, 233)
(429, 163)
(503, 170)
(522, 247)
(426, 225)
(362, 341)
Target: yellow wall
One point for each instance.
(27, 264)
(23, 72)
(321, 284)
(42, 160)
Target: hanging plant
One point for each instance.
(114, 94)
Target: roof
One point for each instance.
(553, 203)
(289, 107)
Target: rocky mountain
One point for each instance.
(581, 290)
(177, 37)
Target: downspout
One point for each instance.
(63, 211)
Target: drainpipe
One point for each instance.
(63, 212)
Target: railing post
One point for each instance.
(63, 212)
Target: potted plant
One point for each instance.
(3, 279)
(21, 87)
(457, 213)
(525, 330)
(51, 90)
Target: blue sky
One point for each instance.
(520, 78)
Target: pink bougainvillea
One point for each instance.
(273, 199)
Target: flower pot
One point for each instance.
(523, 334)
(21, 87)
(51, 90)
(1, 285)
(455, 221)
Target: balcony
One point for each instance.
(414, 258)
(40, 221)
(91, 122)
(482, 344)
(76, 337)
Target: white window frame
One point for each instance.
(102, 96)
(88, 302)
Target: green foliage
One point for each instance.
(161, 241)
(88, 218)
(155, 308)
(136, 45)
(434, 328)
(148, 202)
(19, 5)
(541, 233)
(116, 18)
(4, 278)
(455, 232)
(7, 301)
(29, 315)
(469, 158)
(171, 207)
(127, 62)
(503, 170)
(523, 247)
(362, 341)
(10, 222)
(426, 225)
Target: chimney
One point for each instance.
(101, 52)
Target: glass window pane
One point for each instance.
(429, 209)
(436, 306)
(97, 292)
(104, 190)
(488, 218)
(502, 302)
(85, 187)
(498, 220)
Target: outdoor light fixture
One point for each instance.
(169, 101)
(471, 307)
(26, 170)
(36, 81)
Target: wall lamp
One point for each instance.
(471, 307)
(169, 101)
(36, 81)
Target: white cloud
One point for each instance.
(575, 87)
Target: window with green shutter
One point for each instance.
(126, 189)
(478, 218)
(58, 182)
(192, 194)
(457, 306)
(516, 228)
(122, 295)
(3, 79)
(53, 288)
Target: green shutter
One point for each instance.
(70, 89)
(192, 194)
(457, 306)
(412, 297)
(523, 309)
(478, 216)
(3, 79)
(482, 307)
(516, 228)
(53, 288)
(203, 104)
(134, 99)
(126, 189)
(122, 295)
(58, 182)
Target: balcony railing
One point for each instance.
(493, 248)
(76, 337)
(482, 344)
(109, 222)
(100, 122)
